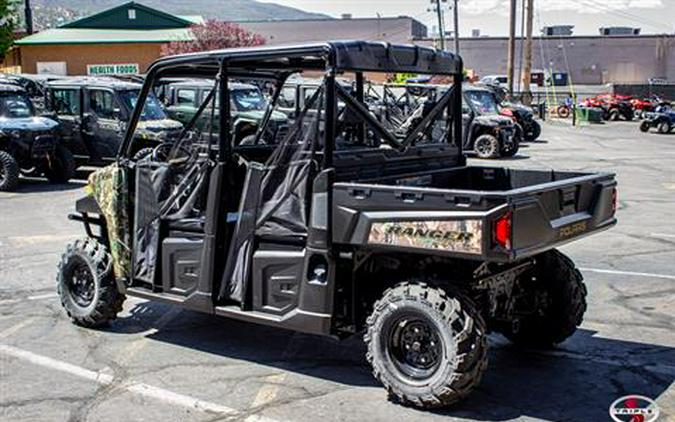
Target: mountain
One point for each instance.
(230, 10)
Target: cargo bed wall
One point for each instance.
(411, 213)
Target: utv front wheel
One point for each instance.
(486, 146)
(61, 166)
(9, 172)
(86, 284)
(428, 348)
(561, 311)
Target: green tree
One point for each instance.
(9, 18)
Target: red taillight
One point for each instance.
(615, 200)
(502, 231)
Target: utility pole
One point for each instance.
(527, 71)
(439, 14)
(455, 13)
(511, 47)
(29, 17)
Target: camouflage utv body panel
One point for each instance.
(110, 189)
(454, 236)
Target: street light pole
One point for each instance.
(511, 47)
(29, 18)
(455, 12)
(439, 15)
(527, 71)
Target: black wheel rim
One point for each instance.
(484, 148)
(415, 346)
(81, 283)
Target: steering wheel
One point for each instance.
(162, 152)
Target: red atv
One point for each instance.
(647, 105)
(614, 106)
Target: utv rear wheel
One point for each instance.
(428, 348)
(512, 149)
(562, 311)
(86, 284)
(644, 127)
(664, 127)
(534, 132)
(614, 115)
(61, 166)
(486, 146)
(9, 172)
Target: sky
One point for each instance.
(491, 16)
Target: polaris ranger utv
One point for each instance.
(29, 144)
(388, 234)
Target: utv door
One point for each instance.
(268, 261)
(467, 125)
(102, 123)
(183, 104)
(66, 104)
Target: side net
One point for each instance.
(274, 202)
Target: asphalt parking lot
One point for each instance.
(159, 363)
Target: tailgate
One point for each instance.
(545, 216)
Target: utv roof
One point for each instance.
(341, 55)
(105, 82)
(9, 87)
(204, 83)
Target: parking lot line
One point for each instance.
(627, 273)
(268, 392)
(35, 297)
(15, 328)
(142, 389)
(672, 236)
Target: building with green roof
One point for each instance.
(124, 39)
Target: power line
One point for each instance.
(622, 14)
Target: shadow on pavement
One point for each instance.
(38, 185)
(576, 381)
(567, 383)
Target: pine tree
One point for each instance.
(9, 18)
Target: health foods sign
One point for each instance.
(112, 69)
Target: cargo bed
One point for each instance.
(483, 213)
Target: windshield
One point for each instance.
(248, 99)
(484, 102)
(152, 110)
(15, 105)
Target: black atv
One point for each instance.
(524, 118)
(521, 114)
(400, 240)
(29, 144)
(487, 133)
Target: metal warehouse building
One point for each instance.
(587, 59)
(127, 38)
(401, 29)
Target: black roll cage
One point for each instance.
(277, 63)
